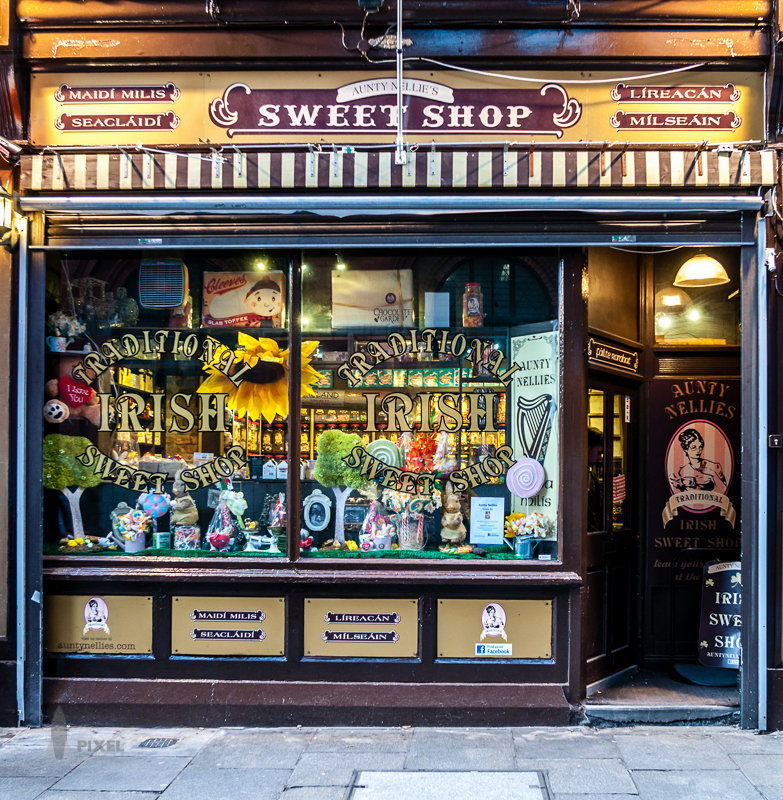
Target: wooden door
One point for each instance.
(610, 629)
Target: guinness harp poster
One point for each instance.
(534, 413)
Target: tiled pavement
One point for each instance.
(646, 763)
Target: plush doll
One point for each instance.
(70, 398)
(183, 510)
(452, 529)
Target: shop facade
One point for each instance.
(407, 430)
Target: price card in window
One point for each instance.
(486, 520)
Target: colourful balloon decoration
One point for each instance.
(385, 451)
(525, 478)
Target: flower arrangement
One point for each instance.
(62, 324)
(413, 505)
(535, 525)
(134, 525)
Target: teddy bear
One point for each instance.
(70, 398)
(452, 529)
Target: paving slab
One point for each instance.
(734, 741)
(24, 788)
(79, 795)
(123, 773)
(330, 769)
(760, 770)
(587, 776)
(771, 792)
(34, 762)
(189, 741)
(391, 740)
(693, 785)
(595, 797)
(276, 749)
(448, 785)
(666, 750)
(313, 793)
(461, 749)
(240, 783)
(567, 743)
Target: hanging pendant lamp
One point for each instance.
(701, 270)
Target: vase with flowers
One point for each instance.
(524, 531)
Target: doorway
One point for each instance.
(611, 603)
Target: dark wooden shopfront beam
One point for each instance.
(415, 12)
(243, 48)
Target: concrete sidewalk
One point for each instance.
(675, 763)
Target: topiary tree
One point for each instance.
(62, 469)
(331, 471)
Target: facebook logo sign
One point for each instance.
(481, 649)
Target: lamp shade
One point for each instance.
(701, 270)
(671, 298)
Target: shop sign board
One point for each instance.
(361, 628)
(490, 629)
(721, 615)
(333, 107)
(534, 410)
(611, 356)
(228, 626)
(104, 624)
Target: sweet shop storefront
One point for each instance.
(333, 430)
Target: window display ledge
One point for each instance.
(235, 570)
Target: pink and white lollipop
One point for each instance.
(525, 478)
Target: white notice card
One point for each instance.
(486, 520)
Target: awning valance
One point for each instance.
(235, 169)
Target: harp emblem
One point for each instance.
(534, 425)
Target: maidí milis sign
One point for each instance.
(438, 106)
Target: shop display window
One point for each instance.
(697, 297)
(429, 420)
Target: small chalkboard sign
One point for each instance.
(721, 620)
(256, 465)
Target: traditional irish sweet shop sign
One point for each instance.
(104, 624)
(359, 628)
(694, 491)
(335, 107)
(491, 629)
(721, 615)
(228, 626)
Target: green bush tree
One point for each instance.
(63, 471)
(332, 472)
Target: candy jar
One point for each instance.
(472, 306)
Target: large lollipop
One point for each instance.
(385, 451)
(525, 478)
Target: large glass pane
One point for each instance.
(167, 404)
(596, 513)
(414, 426)
(697, 302)
(620, 479)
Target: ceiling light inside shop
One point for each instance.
(340, 261)
(693, 314)
(701, 270)
(261, 265)
(664, 322)
(672, 297)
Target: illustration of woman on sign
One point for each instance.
(697, 472)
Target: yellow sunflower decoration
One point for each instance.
(262, 368)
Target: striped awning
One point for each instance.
(234, 169)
